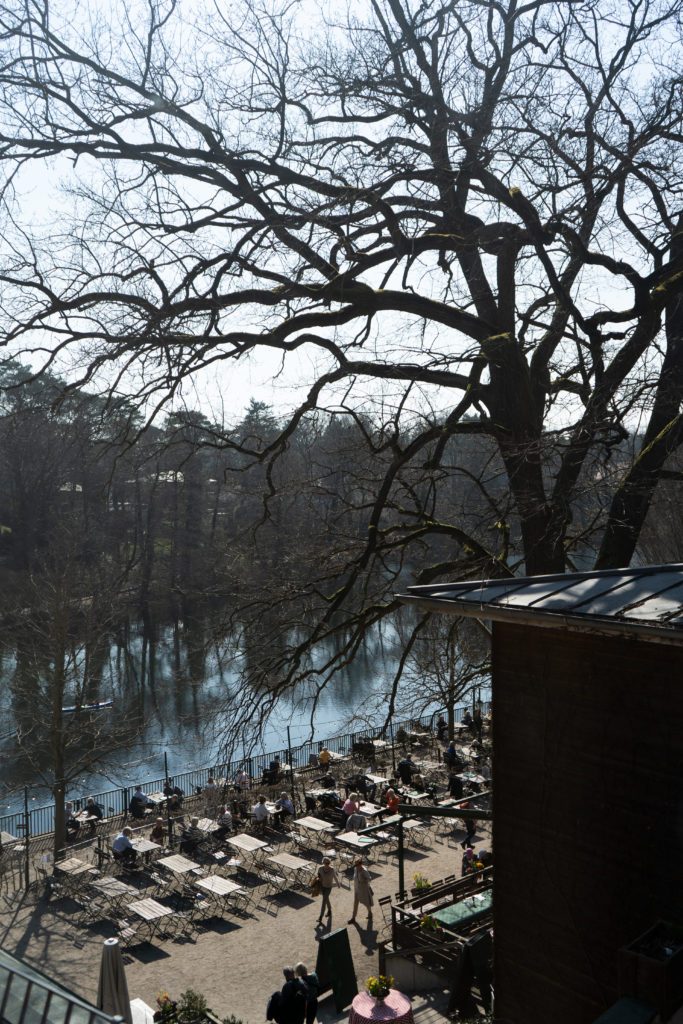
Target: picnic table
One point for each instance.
(145, 847)
(465, 912)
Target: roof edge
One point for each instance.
(546, 619)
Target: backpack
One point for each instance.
(274, 1007)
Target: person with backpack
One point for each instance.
(312, 984)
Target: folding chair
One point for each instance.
(384, 903)
(275, 884)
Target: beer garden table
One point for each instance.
(466, 912)
(178, 864)
(151, 912)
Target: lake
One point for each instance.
(179, 681)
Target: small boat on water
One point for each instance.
(101, 705)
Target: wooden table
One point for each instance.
(207, 825)
(74, 869)
(311, 824)
(294, 866)
(73, 866)
(379, 780)
(114, 890)
(178, 864)
(220, 890)
(371, 810)
(151, 912)
(471, 777)
(156, 798)
(142, 845)
(247, 844)
(355, 842)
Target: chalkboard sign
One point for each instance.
(335, 969)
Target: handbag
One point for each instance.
(316, 887)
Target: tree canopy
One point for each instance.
(464, 214)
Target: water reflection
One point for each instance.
(170, 681)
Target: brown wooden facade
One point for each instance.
(588, 813)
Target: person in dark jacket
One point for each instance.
(312, 984)
(292, 1008)
(406, 768)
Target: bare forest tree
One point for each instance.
(465, 213)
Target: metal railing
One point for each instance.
(40, 820)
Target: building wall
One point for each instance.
(588, 814)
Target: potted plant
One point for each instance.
(379, 986)
(192, 1007)
(420, 882)
(166, 1008)
(430, 925)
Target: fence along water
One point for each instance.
(40, 820)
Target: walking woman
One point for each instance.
(328, 877)
(362, 890)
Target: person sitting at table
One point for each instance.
(355, 822)
(190, 837)
(324, 757)
(94, 812)
(351, 805)
(451, 756)
(138, 803)
(93, 809)
(71, 822)
(242, 779)
(170, 789)
(285, 806)
(174, 806)
(441, 729)
(468, 721)
(260, 812)
(393, 800)
(122, 847)
(224, 821)
(210, 792)
(158, 833)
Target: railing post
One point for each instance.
(27, 837)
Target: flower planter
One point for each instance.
(651, 968)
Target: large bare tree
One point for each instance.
(465, 214)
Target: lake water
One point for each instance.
(178, 688)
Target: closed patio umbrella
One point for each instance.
(112, 991)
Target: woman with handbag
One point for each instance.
(362, 891)
(323, 881)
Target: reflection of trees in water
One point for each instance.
(180, 680)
